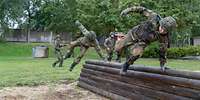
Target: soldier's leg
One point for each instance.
(119, 48)
(61, 60)
(127, 53)
(78, 59)
(57, 54)
(71, 49)
(110, 54)
(122, 44)
(137, 51)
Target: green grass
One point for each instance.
(19, 71)
(18, 68)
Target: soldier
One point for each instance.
(58, 52)
(89, 40)
(110, 44)
(155, 28)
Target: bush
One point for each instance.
(183, 51)
(152, 51)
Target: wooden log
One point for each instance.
(169, 72)
(177, 81)
(101, 91)
(171, 89)
(119, 86)
(109, 88)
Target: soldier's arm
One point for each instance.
(98, 49)
(82, 28)
(164, 44)
(138, 9)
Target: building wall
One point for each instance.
(196, 41)
(18, 35)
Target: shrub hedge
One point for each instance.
(175, 52)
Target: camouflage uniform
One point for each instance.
(58, 52)
(110, 45)
(143, 34)
(89, 40)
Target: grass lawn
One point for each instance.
(18, 68)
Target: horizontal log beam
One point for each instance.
(177, 81)
(101, 91)
(109, 88)
(122, 87)
(169, 72)
(180, 91)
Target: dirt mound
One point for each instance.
(48, 92)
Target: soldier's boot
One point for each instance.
(68, 55)
(163, 68)
(54, 64)
(72, 66)
(61, 63)
(126, 65)
(124, 68)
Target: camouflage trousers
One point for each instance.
(135, 46)
(59, 56)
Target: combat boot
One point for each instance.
(61, 64)
(124, 68)
(54, 64)
(72, 66)
(67, 56)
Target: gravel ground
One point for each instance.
(49, 92)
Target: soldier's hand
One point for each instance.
(77, 22)
(123, 13)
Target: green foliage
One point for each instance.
(183, 51)
(176, 52)
(101, 16)
(152, 51)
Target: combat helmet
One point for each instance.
(58, 37)
(112, 34)
(169, 23)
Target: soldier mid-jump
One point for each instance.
(89, 40)
(155, 28)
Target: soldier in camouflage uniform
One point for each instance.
(58, 52)
(89, 40)
(154, 29)
(110, 45)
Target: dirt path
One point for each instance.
(48, 92)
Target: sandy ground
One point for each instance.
(49, 92)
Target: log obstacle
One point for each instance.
(139, 83)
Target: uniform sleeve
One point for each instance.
(98, 49)
(139, 9)
(82, 28)
(164, 44)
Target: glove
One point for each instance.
(77, 22)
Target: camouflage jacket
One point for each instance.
(58, 44)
